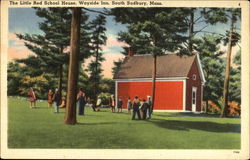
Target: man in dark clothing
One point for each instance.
(81, 101)
(149, 107)
(57, 100)
(144, 109)
(136, 105)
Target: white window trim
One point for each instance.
(116, 93)
(194, 77)
(184, 94)
(150, 79)
(196, 90)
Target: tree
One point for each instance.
(181, 26)
(70, 114)
(98, 38)
(233, 15)
(117, 65)
(14, 76)
(150, 33)
(212, 65)
(51, 47)
(235, 80)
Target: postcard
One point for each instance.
(124, 79)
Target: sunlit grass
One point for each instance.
(42, 128)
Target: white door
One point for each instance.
(194, 95)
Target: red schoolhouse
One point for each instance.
(179, 81)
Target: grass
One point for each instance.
(41, 128)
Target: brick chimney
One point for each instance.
(130, 51)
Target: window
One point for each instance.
(194, 77)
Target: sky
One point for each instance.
(24, 20)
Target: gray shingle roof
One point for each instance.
(141, 66)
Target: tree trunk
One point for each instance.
(60, 79)
(70, 114)
(153, 81)
(95, 75)
(191, 31)
(227, 75)
(206, 107)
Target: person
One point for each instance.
(32, 98)
(91, 102)
(81, 101)
(149, 107)
(135, 105)
(129, 105)
(98, 103)
(119, 105)
(144, 109)
(50, 97)
(112, 103)
(56, 100)
(63, 104)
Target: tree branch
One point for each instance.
(103, 13)
(195, 32)
(213, 33)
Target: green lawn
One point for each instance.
(41, 128)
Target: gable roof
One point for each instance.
(169, 65)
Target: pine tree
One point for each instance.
(234, 15)
(153, 31)
(51, 47)
(174, 29)
(98, 39)
(212, 65)
(235, 79)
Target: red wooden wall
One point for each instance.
(193, 83)
(169, 94)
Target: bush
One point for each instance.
(234, 108)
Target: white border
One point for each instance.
(242, 153)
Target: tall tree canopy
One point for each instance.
(98, 39)
(51, 47)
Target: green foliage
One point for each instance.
(20, 81)
(107, 86)
(117, 65)
(41, 84)
(13, 78)
(209, 51)
(154, 30)
(98, 39)
(235, 80)
(51, 48)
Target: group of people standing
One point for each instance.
(58, 100)
(140, 107)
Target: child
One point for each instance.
(63, 104)
(119, 106)
(98, 103)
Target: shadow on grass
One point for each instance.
(194, 115)
(97, 123)
(204, 126)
